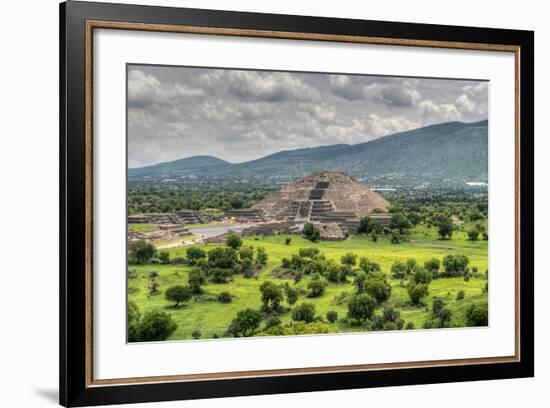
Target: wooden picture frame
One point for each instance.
(78, 20)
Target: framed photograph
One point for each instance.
(257, 204)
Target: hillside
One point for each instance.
(440, 155)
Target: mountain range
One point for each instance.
(446, 154)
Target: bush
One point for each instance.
(421, 275)
(348, 259)
(178, 294)
(196, 279)
(378, 288)
(164, 258)
(316, 288)
(233, 241)
(445, 227)
(368, 266)
(400, 222)
(261, 256)
(473, 234)
(359, 281)
(272, 321)
(291, 295)
(272, 296)
(409, 326)
(432, 266)
(304, 312)
(361, 308)
(246, 253)
(311, 232)
(334, 272)
(141, 251)
(225, 297)
(455, 265)
(245, 323)
(194, 254)
(332, 316)
(196, 334)
(460, 295)
(155, 325)
(225, 258)
(288, 240)
(308, 252)
(477, 315)
(399, 270)
(417, 292)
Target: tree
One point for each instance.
(141, 251)
(477, 315)
(233, 241)
(164, 257)
(196, 279)
(332, 316)
(311, 232)
(316, 288)
(304, 312)
(178, 294)
(455, 265)
(291, 295)
(334, 272)
(222, 257)
(261, 256)
(194, 254)
(245, 323)
(417, 292)
(272, 296)
(445, 228)
(155, 325)
(368, 226)
(361, 308)
(196, 334)
(400, 222)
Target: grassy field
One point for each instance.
(142, 227)
(213, 317)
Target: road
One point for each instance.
(206, 232)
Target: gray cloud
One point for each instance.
(239, 115)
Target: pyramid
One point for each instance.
(324, 197)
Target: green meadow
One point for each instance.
(212, 318)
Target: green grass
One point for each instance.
(214, 317)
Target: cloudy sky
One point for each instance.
(238, 115)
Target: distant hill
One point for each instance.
(179, 167)
(440, 155)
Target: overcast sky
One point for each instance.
(238, 115)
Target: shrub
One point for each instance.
(291, 295)
(272, 295)
(400, 222)
(220, 275)
(361, 308)
(369, 266)
(245, 323)
(194, 254)
(455, 265)
(132, 274)
(334, 272)
(409, 326)
(261, 256)
(460, 295)
(308, 252)
(399, 270)
(196, 334)
(246, 253)
(141, 251)
(445, 227)
(178, 294)
(332, 316)
(272, 321)
(153, 287)
(222, 257)
(196, 279)
(164, 257)
(378, 288)
(233, 241)
(316, 288)
(288, 240)
(311, 232)
(225, 297)
(432, 266)
(417, 292)
(348, 259)
(477, 315)
(304, 312)
(359, 281)
(421, 275)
